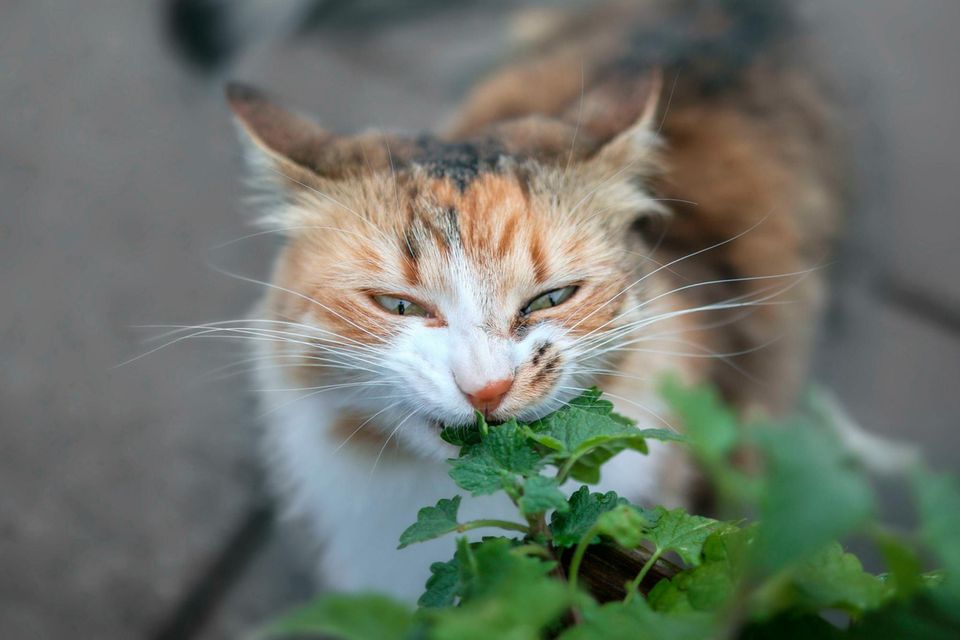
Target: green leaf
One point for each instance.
(432, 522)
(834, 579)
(813, 493)
(713, 432)
(461, 435)
(443, 584)
(505, 595)
(346, 617)
(904, 568)
(922, 618)
(569, 527)
(520, 611)
(829, 579)
(540, 494)
(494, 462)
(709, 425)
(636, 621)
(709, 585)
(793, 627)
(625, 524)
(938, 499)
(491, 564)
(586, 433)
(585, 422)
(678, 531)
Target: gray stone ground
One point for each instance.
(122, 487)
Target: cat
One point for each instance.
(648, 189)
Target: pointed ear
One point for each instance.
(283, 145)
(633, 149)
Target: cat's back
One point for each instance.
(750, 141)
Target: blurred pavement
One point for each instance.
(131, 502)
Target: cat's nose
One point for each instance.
(488, 398)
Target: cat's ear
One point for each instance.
(632, 150)
(283, 147)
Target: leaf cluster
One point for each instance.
(773, 577)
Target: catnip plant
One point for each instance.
(592, 566)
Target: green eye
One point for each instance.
(401, 307)
(549, 299)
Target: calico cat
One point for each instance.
(647, 189)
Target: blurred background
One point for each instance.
(131, 505)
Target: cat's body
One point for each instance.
(566, 232)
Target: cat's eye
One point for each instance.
(401, 307)
(549, 299)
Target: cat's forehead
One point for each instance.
(461, 162)
(477, 216)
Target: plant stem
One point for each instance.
(502, 524)
(634, 586)
(578, 556)
(564, 471)
(538, 525)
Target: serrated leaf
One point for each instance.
(569, 527)
(496, 461)
(834, 579)
(829, 579)
(706, 587)
(709, 585)
(678, 531)
(586, 433)
(541, 494)
(584, 423)
(442, 585)
(346, 617)
(432, 522)
(461, 435)
(625, 524)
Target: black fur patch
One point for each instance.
(461, 162)
(539, 354)
(706, 57)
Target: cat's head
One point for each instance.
(428, 279)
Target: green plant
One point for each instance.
(593, 566)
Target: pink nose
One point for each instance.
(489, 397)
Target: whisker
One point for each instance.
(225, 326)
(257, 335)
(331, 199)
(329, 387)
(277, 230)
(703, 284)
(387, 441)
(363, 424)
(669, 264)
(300, 295)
